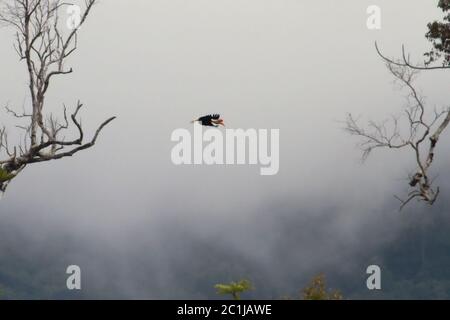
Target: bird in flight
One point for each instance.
(212, 120)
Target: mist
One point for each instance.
(141, 227)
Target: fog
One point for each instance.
(141, 227)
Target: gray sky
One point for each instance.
(297, 66)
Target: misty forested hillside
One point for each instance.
(305, 87)
(415, 261)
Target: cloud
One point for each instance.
(140, 227)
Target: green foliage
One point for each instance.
(317, 290)
(439, 35)
(5, 175)
(234, 288)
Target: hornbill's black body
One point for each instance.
(212, 120)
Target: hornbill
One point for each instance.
(212, 120)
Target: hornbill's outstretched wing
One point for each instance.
(207, 120)
(209, 117)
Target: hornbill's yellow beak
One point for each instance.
(219, 122)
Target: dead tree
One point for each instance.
(424, 127)
(43, 44)
(418, 129)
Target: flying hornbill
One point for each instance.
(212, 120)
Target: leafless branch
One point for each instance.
(405, 62)
(42, 44)
(421, 132)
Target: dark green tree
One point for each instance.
(439, 35)
(234, 288)
(317, 290)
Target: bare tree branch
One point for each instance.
(42, 44)
(406, 61)
(420, 128)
